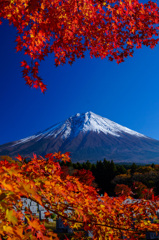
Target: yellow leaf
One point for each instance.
(102, 206)
(9, 15)
(42, 6)
(7, 229)
(7, 186)
(11, 216)
(32, 35)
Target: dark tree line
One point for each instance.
(103, 171)
(108, 175)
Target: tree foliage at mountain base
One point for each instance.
(76, 203)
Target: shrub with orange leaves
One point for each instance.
(76, 203)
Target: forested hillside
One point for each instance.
(115, 178)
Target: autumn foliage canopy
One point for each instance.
(77, 203)
(68, 28)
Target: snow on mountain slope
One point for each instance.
(79, 123)
(88, 136)
(92, 122)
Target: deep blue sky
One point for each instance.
(127, 93)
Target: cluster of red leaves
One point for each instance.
(76, 203)
(142, 191)
(123, 190)
(84, 176)
(139, 190)
(67, 28)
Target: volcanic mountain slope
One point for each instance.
(88, 136)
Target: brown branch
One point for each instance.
(93, 223)
(97, 224)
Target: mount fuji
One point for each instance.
(88, 136)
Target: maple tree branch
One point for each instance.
(82, 222)
(96, 224)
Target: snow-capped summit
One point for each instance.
(83, 123)
(88, 136)
(90, 121)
